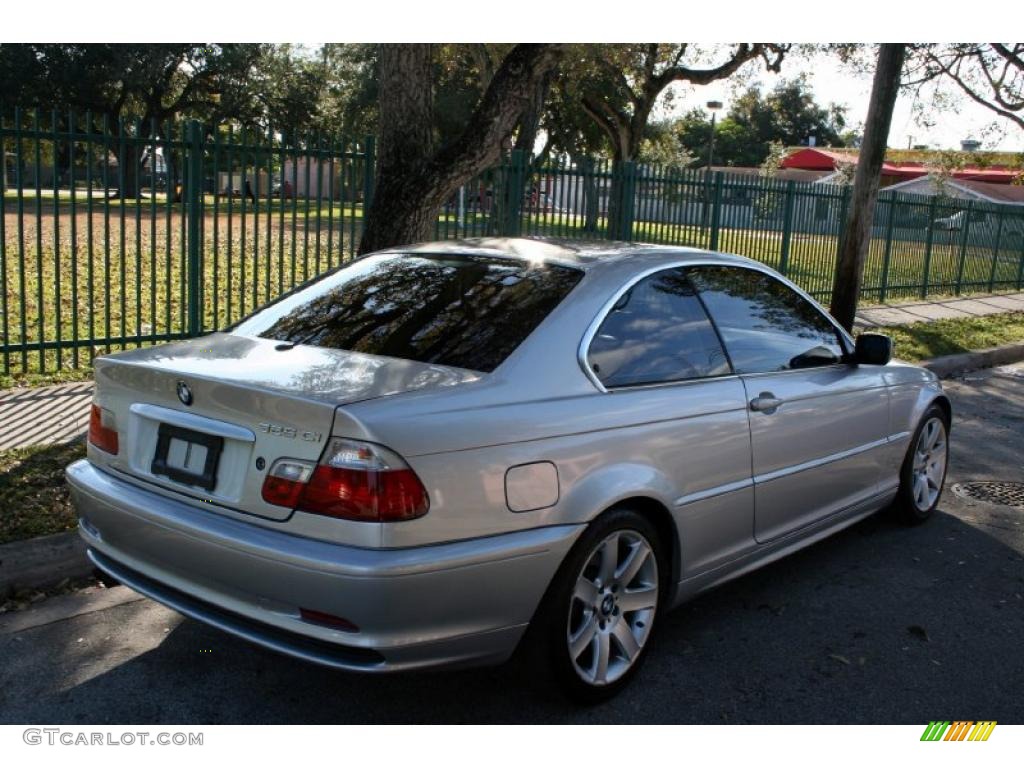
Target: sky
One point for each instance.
(832, 82)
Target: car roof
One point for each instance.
(587, 255)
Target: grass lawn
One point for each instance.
(924, 340)
(34, 500)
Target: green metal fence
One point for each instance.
(106, 242)
(116, 235)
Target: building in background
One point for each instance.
(906, 165)
(963, 189)
(312, 177)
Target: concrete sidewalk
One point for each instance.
(45, 415)
(923, 311)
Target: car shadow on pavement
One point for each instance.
(878, 624)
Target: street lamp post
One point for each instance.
(714, 106)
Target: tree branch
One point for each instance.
(998, 104)
(1013, 57)
(511, 91)
(610, 120)
(744, 52)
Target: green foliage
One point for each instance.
(569, 127)
(941, 167)
(787, 115)
(290, 88)
(769, 202)
(662, 147)
(773, 162)
(614, 87)
(330, 91)
(980, 159)
(132, 81)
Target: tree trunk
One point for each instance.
(857, 227)
(413, 182)
(529, 121)
(129, 175)
(406, 143)
(615, 202)
(585, 165)
(625, 148)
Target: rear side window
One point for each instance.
(463, 311)
(657, 332)
(765, 324)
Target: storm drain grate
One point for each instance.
(994, 492)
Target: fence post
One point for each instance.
(844, 207)
(787, 227)
(883, 289)
(995, 253)
(5, 339)
(1020, 264)
(716, 212)
(928, 246)
(627, 201)
(369, 171)
(194, 211)
(964, 236)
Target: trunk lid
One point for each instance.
(194, 417)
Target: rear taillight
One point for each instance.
(285, 482)
(353, 481)
(102, 432)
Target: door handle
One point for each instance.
(765, 402)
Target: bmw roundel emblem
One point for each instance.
(184, 393)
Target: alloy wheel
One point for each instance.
(930, 457)
(612, 607)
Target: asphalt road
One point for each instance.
(879, 624)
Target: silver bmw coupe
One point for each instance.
(435, 454)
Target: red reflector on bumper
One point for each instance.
(100, 434)
(327, 620)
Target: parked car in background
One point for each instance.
(954, 222)
(282, 189)
(434, 454)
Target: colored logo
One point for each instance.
(958, 730)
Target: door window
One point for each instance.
(657, 332)
(765, 324)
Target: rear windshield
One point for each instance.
(463, 311)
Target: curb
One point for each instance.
(64, 607)
(43, 561)
(952, 365)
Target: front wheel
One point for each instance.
(924, 468)
(600, 610)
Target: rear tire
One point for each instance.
(593, 625)
(924, 469)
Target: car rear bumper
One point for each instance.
(456, 603)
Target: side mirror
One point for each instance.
(813, 358)
(873, 349)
